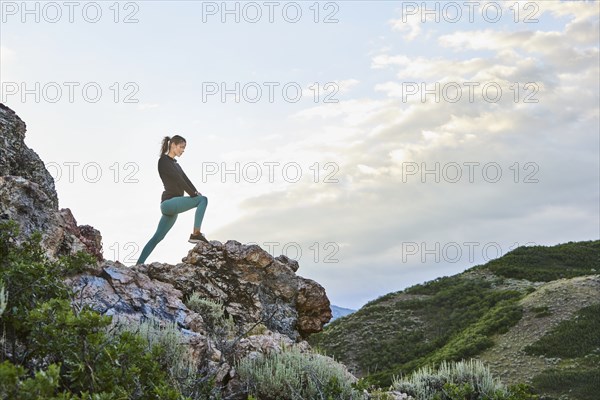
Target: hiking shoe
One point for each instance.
(197, 237)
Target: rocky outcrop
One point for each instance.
(19, 160)
(252, 285)
(131, 295)
(254, 288)
(114, 289)
(28, 196)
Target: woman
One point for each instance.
(173, 201)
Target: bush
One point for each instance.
(577, 384)
(463, 380)
(53, 350)
(173, 357)
(30, 278)
(572, 338)
(93, 361)
(541, 311)
(293, 375)
(15, 384)
(214, 315)
(476, 338)
(542, 263)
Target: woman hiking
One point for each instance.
(172, 200)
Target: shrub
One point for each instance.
(577, 384)
(541, 311)
(450, 380)
(30, 278)
(463, 380)
(213, 313)
(476, 338)
(542, 263)
(572, 338)
(256, 329)
(173, 355)
(293, 375)
(93, 361)
(53, 350)
(14, 383)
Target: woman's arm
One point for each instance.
(195, 191)
(174, 173)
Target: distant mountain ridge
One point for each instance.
(338, 312)
(508, 313)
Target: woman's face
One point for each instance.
(178, 149)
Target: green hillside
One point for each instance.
(531, 289)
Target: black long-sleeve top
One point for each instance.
(174, 179)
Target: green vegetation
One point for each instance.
(53, 350)
(477, 336)
(450, 318)
(541, 311)
(570, 384)
(56, 349)
(456, 318)
(544, 264)
(576, 340)
(585, 327)
(458, 381)
(174, 356)
(214, 315)
(294, 375)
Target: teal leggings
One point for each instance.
(170, 208)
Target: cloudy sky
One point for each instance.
(381, 144)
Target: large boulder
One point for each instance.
(114, 289)
(252, 285)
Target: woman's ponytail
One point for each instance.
(165, 145)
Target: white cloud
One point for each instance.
(377, 205)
